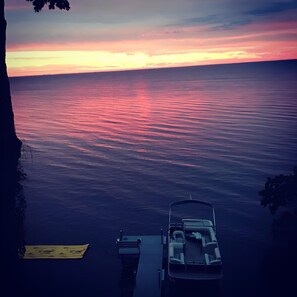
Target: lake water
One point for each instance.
(110, 151)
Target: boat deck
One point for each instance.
(193, 252)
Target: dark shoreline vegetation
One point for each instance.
(10, 176)
(12, 203)
(280, 196)
(280, 191)
(12, 215)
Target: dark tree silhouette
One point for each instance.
(280, 196)
(280, 191)
(10, 145)
(12, 202)
(39, 4)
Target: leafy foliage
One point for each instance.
(280, 190)
(52, 4)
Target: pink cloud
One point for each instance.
(17, 6)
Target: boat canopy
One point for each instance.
(192, 201)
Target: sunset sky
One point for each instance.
(108, 35)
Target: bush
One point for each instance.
(280, 191)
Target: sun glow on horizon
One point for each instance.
(42, 59)
(25, 63)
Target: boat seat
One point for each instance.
(213, 259)
(209, 247)
(193, 224)
(180, 260)
(176, 253)
(179, 236)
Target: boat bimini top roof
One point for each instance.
(193, 202)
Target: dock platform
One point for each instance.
(150, 273)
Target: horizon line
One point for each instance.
(157, 68)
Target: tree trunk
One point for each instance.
(10, 145)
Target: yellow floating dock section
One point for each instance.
(54, 251)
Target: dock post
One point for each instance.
(161, 236)
(121, 235)
(159, 273)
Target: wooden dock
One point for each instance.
(150, 273)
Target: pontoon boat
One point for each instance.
(193, 250)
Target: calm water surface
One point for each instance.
(110, 151)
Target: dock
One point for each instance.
(150, 272)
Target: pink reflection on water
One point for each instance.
(150, 115)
